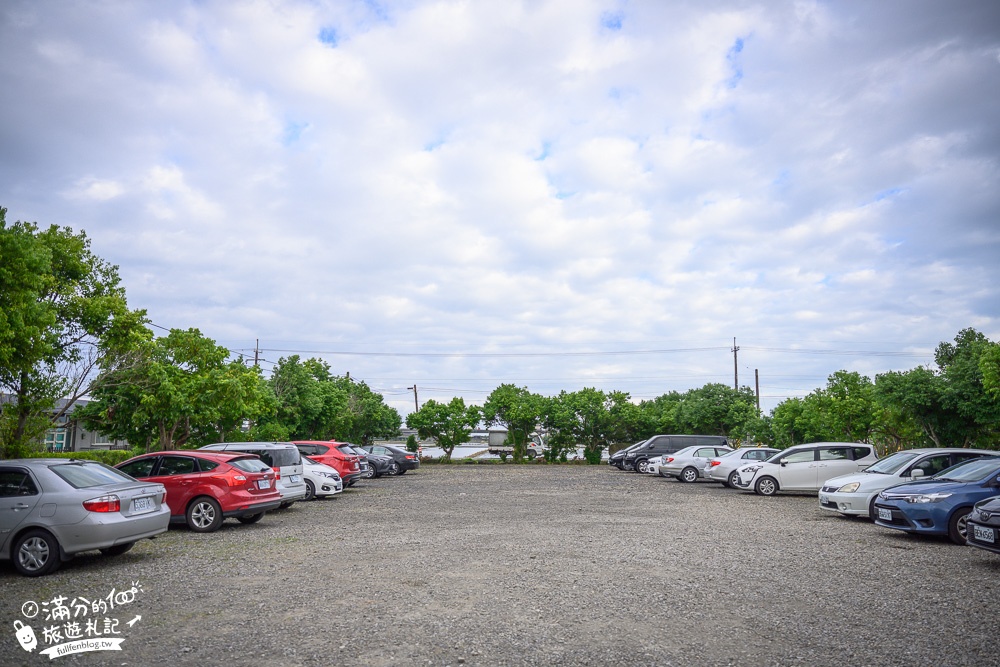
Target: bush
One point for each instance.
(110, 457)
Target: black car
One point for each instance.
(983, 526)
(378, 464)
(658, 445)
(618, 458)
(402, 459)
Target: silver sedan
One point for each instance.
(52, 509)
(691, 463)
(723, 469)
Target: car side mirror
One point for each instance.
(784, 463)
(914, 474)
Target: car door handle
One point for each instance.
(21, 506)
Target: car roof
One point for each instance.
(197, 453)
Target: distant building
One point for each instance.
(68, 435)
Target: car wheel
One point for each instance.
(118, 549)
(766, 486)
(958, 526)
(204, 515)
(370, 473)
(36, 553)
(393, 468)
(401, 472)
(253, 518)
(310, 491)
(688, 475)
(641, 466)
(731, 482)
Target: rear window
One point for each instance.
(249, 464)
(286, 456)
(86, 475)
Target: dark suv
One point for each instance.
(618, 458)
(402, 459)
(636, 459)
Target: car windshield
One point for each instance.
(892, 464)
(86, 475)
(969, 471)
(306, 459)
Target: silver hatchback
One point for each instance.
(52, 509)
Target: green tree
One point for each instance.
(715, 409)
(63, 316)
(365, 415)
(516, 409)
(581, 418)
(184, 389)
(448, 423)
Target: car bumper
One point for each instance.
(915, 519)
(744, 482)
(845, 503)
(409, 465)
(717, 475)
(329, 487)
(249, 510)
(984, 536)
(100, 530)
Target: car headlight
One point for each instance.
(849, 488)
(928, 498)
(328, 474)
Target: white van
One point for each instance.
(805, 467)
(283, 457)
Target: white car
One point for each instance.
(321, 480)
(854, 495)
(723, 468)
(653, 465)
(691, 463)
(805, 467)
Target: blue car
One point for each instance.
(939, 505)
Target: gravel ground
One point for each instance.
(535, 565)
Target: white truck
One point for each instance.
(498, 444)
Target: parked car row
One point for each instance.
(53, 509)
(953, 492)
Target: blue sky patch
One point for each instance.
(329, 36)
(612, 20)
(733, 57)
(293, 131)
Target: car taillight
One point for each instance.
(670, 459)
(410, 457)
(103, 504)
(715, 463)
(277, 473)
(240, 478)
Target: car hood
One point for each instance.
(933, 486)
(866, 479)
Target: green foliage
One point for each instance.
(411, 443)
(516, 409)
(313, 404)
(183, 390)
(448, 423)
(111, 457)
(63, 314)
(582, 417)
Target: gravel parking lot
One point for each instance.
(534, 565)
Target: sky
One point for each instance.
(555, 194)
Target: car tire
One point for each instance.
(253, 518)
(731, 481)
(401, 471)
(688, 475)
(118, 549)
(204, 515)
(766, 486)
(310, 490)
(370, 473)
(641, 465)
(393, 468)
(958, 527)
(36, 553)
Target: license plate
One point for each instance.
(295, 479)
(884, 514)
(983, 534)
(263, 484)
(142, 505)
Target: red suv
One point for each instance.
(325, 451)
(204, 488)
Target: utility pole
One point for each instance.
(256, 353)
(736, 370)
(416, 405)
(756, 380)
